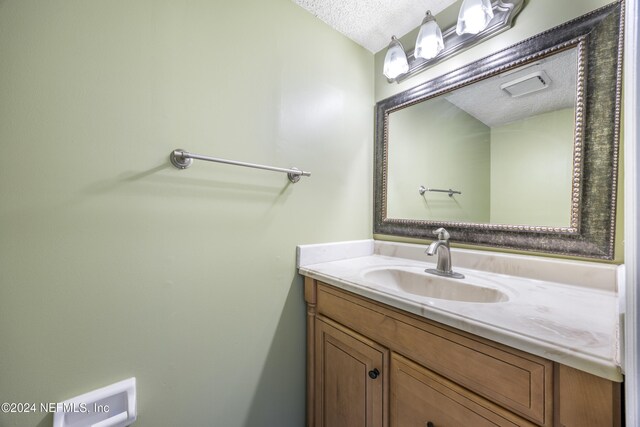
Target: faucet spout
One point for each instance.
(434, 246)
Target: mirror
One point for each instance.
(504, 145)
(516, 150)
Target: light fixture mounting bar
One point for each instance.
(503, 14)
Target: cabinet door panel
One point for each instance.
(347, 395)
(419, 396)
(585, 400)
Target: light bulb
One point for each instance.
(429, 42)
(395, 61)
(474, 16)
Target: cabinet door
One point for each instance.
(421, 398)
(350, 377)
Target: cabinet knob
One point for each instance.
(430, 424)
(374, 374)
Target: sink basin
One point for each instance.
(416, 282)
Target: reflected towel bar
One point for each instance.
(451, 192)
(183, 159)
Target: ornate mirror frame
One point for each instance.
(598, 39)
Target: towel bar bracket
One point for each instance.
(179, 160)
(294, 177)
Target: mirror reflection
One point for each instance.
(503, 146)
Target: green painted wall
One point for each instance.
(113, 263)
(438, 145)
(531, 170)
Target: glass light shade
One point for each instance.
(429, 42)
(474, 16)
(395, 61)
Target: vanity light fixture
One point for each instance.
(395, 61)
(477, 20)
(474, 16)
(429, 42)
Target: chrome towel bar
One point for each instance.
(182, 159)
(451, 192)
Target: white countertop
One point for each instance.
(576, 325)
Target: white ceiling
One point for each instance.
(371, 23)
(486, 102)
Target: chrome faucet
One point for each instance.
(441, 248)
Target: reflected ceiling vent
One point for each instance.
(527, 84)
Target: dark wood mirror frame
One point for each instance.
(598, 37)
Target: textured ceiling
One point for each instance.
(371, 23)
(491, 105)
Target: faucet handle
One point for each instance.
(442, 234)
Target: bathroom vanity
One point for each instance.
(530, 346)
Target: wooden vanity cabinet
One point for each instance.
(369, 364)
